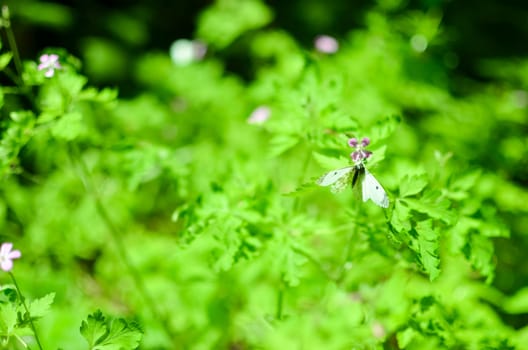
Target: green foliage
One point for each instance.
(15, 321)
(171, 208)
(224, 21)
(110, 334)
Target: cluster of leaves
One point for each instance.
(172, 201)
(16, 320)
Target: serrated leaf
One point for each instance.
(481, 253)
(122, 335)
(302, 188)
(400, 218)
(459, 187)
(39, 307)
(68, 127)
(411, 185)
(71, 83)
(5, 59)
(112, 334)
(291, 267)
(104, 96)
(433, 205)
(8, 318)
(94, 328)
(428, 247)
(281, 143)
(288, 261)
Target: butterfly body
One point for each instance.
(371, 189)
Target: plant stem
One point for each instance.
(314, 261)
(280, 302)
(348, 244)
(304, 168)
(22, 299)
(12, 42)
(118, 240)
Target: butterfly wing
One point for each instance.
(372, 190)
(338, 178)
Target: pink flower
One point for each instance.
(259, 115)
(360, 153)
(49, 63)
(7, 255)
(326, 44)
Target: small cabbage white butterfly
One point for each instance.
(339, 178)
(370, 187)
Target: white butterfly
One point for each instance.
(370, 187)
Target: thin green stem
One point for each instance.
(314, 261)
(12, 42)
(11, 75)
(23, 300)
(118, 240)
(12, 90)
(348, 245)
(280, 302)
(304, 168)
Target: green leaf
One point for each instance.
(466, 181)
(433, 205)
(302, 188)
(226, 20)
(411, 185)
(517, 303)
(401, 216)
(94, 328)
(281, 143)
(481, 253)
(68, 127)
(329, 163)
(71, 84)
(461, 184)
(8, 318)
(39, 307)
(112, 334)
(122, 335)
(385, 128)
(51, 101)
(406, 336)
(5, 59)
(289, 260)
(378, 155)
(106, 95)
(428, 247)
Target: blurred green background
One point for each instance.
(455, 72)
(109, 35)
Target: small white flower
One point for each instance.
(326, 44)
(184, 52)
(49, 63)
(259, 115)
(7, 255)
